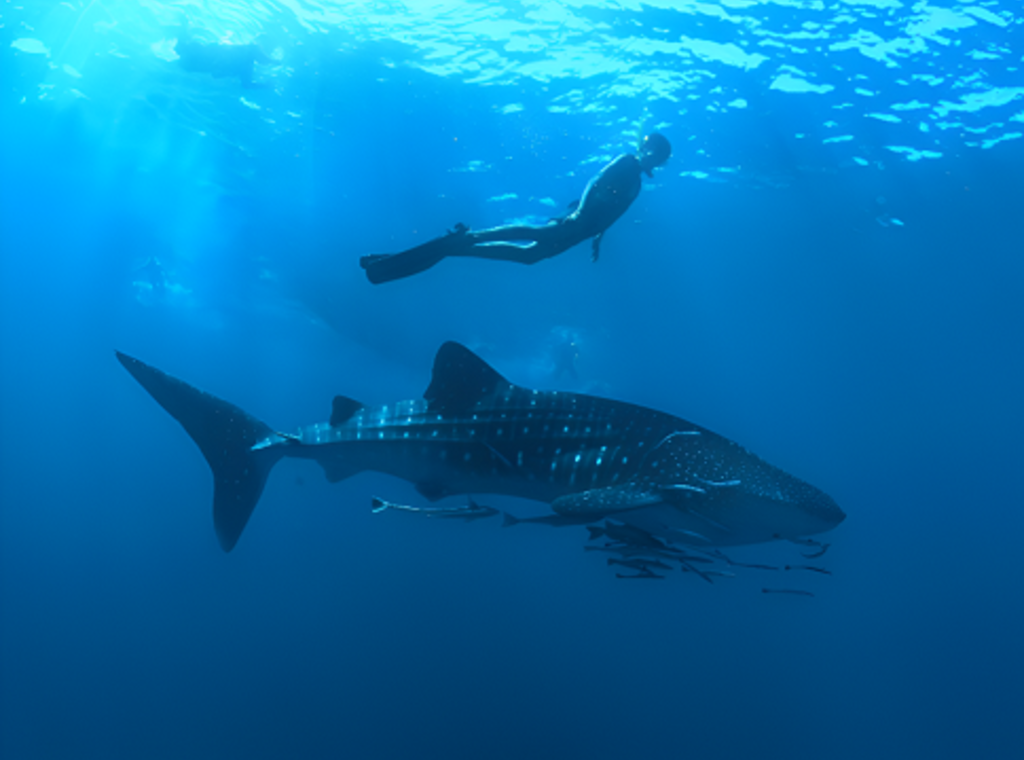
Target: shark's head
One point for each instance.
(790, 507)
(720, 493)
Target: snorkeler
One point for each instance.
(604, 200)
(221, 60)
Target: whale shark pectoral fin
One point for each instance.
(599, 501)
(342, 409)
(680, 493)
(460, 379)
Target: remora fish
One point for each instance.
(471, 511)
(642, 574)
(639, 564)
(556, 521)
(625, 534)
(475, 432)
(627, 551)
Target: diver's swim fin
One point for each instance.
(367, 261)
(383, 267)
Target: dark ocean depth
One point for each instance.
(829, 270)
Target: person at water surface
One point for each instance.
(221, 60)
(605, 199)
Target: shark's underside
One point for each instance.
(475, 432)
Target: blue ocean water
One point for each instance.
(829, 271)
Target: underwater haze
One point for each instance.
(829, 270)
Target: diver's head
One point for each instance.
(654, 151)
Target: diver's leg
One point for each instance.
(521, 254)
(382, 267)
(500, 243)
(513, 232)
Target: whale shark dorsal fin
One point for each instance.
(342, 409)
(460, 380)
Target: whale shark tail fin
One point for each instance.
(228, 438)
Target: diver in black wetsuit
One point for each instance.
(604, 200)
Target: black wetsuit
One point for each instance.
(605, 199)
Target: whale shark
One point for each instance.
(589, 458)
